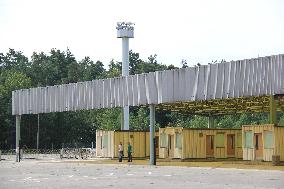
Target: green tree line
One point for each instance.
(59, 67)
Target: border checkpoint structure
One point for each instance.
(251, 85)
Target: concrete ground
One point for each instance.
(237, 164)
(88, 174)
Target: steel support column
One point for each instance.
(37, 134)
(18, 136)
(152, 134)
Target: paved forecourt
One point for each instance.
(60, 174)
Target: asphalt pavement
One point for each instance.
(61, 174)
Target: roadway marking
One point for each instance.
(129, 174)
(28, 178)
(71, 176)
(149, 173)
(106, 177)
(167, 175)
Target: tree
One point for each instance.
(198, 122)
(114, 69)
(109, 119)
(91, 70)
(172, 67)
(10, 81)
(14, 60)
(184, 63)
(139, 121)
(134, 63)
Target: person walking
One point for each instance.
(120, 152)
(129, 152)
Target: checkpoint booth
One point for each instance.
(107, 143)
(184, 143)
(261, 142)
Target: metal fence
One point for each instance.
(77, 153)
(49, 154)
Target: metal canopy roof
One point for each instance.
(221, 88)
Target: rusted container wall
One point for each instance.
(279, 141)
(148, 143)
(250, 153)
(239, 150)
(136, 138)
(194, 143)
(139, 140)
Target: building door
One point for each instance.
(231, 145)
(171, 146)
(258, 145)
(209, 145)
(99, 146)
(157, 145)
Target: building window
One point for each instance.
(268, 139)
(178, 140)
(220, 140)
(105, 141)
(248, 139)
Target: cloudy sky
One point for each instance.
(195, 30)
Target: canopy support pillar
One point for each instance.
(152, 135)
(18, 136)
(37, 134)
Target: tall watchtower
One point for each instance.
(125, 30)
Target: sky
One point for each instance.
(199, 31)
